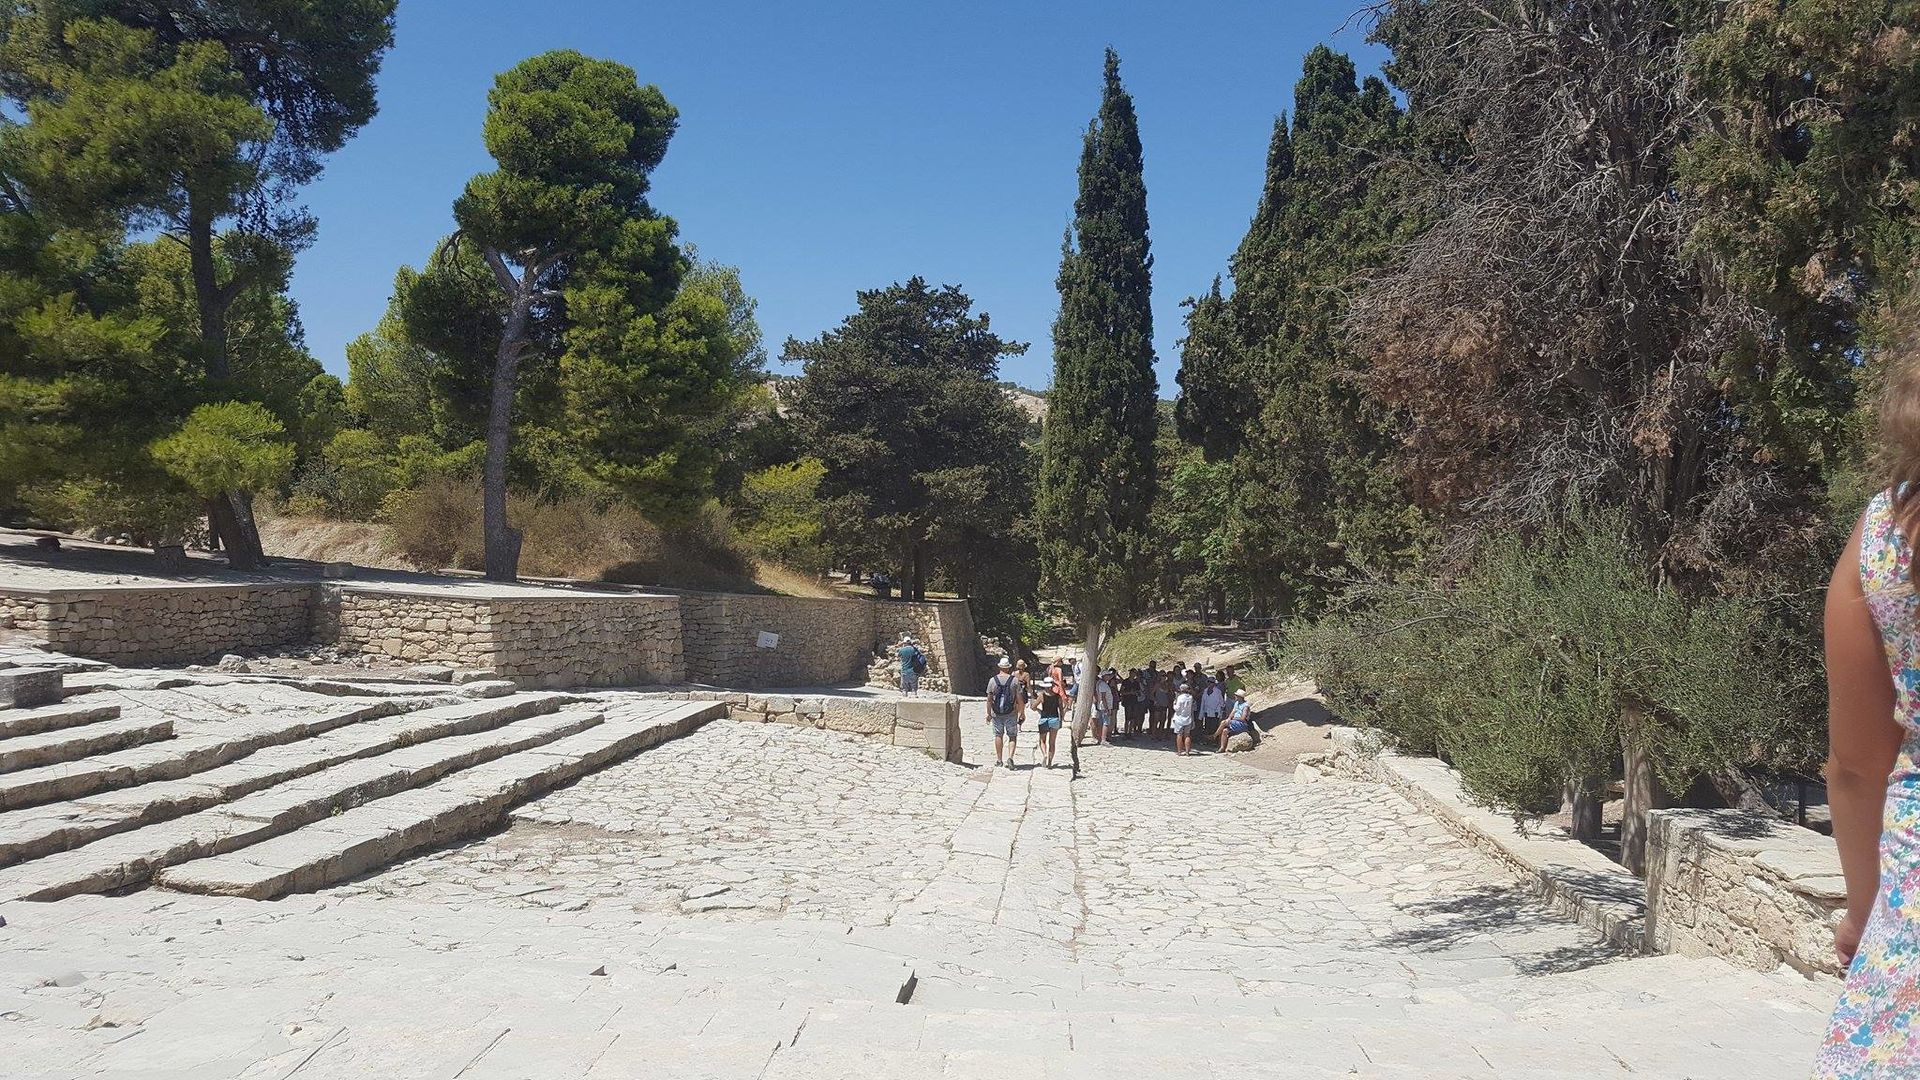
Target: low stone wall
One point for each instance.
(1756, 891)
(930, 723)
(551, 638)
(1568, 876)
(165, 625)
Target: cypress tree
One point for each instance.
(1097, 454)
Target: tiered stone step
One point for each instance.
(171, 759)
(52, 718)
(122, 836)
(469, 802)
(26, 687)
(72, 744)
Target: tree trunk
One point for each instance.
(224, 519)
(1083, 709)
(1585, 798)
(208, 296)
(1644, 791)
(502, 559)
(234, 526)
(919, 573)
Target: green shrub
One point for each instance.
(1519, 668)
(779, 515)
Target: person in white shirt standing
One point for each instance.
(1183, 706)
(1213, 706)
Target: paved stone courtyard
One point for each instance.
(762, 901)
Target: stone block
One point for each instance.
(858, 716)
(1240, 744)
(30, 687)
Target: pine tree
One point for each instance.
(1096, 451)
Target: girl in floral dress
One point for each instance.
(1873, 781)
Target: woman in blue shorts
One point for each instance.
(1052, 697)
(1239, 719)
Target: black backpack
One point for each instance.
(1003, 695)
(919, 662)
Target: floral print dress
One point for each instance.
(1875, 1030)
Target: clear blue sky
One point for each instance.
(826, 148)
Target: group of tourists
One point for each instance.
(1143, 704)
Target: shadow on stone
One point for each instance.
(1494, 912)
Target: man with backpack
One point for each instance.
(1005, 700)
(913, 664)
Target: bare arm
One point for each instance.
(1863, 739)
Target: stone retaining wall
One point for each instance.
(550, 639)
(1747, 888)
(813, 642)
(1757, 891)
(165, 625)
(1568, 876)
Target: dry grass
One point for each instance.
(438, 527)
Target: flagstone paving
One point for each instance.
(762, 901)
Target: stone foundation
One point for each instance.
(1757, 891)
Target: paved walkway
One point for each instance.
(769, 902)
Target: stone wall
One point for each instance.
(930, 723)
(165, 625)
(600, 641)
(820, 642)
(1757, 891)
(408, 627)
(944, 629)
(544, 638)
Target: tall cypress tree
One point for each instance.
(1096, 451)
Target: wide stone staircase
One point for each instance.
(262, 787)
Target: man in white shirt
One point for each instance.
(1213, 705)
(1183, 707)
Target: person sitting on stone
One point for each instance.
(1239, 722)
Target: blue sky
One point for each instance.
(828, 148)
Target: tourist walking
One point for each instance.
(1873, 769)
(1005, 704)
(913, 664)
(1183, 707)
(1052, 698)
(1025, 678)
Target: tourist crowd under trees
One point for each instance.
(1530, 408)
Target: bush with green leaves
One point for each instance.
(1527, 666)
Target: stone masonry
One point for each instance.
(1733, 884)
(535, 635)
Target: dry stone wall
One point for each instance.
(1729, 883)
(166, 625)
(552, 639)
(734, 640)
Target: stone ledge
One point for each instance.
(1749, 888)
(1573, 879)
